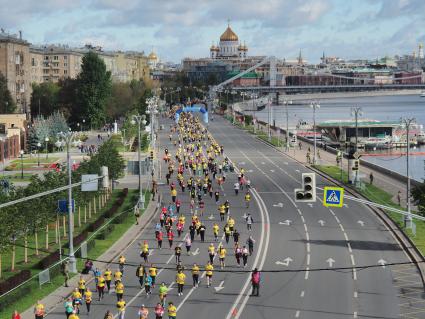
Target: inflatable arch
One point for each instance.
(193, 108)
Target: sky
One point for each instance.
(186, 28)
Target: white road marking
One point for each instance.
(307, 236)
(337, 219)
(297, 314)
(342, 228)
(308, 247)
(346, 237)
(285, 262)
(308, 259)
(349, 247)
(302, 218)
(330, 261)
(352, 260)
(354, 274)
(302, 294)
(355, 314)
(306, 273)
(355, 294)
(305, 227)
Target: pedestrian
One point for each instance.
(108, 278)
(148, 284)
(159, 237)
(255, 281)
(202, 230)
(39, 310)
(153, 272)
(178, 252)
(245, 254)
(227, 233)
(236, 188)
(211, 252)
(180, 279)
(236, 236)
(172, 311)
(140, 273)
(399, 198)
(121, 308)
(69, 307)
(170, 236)
(371, 178)
(143, 312)
(250, 242)
(108, 315)
(16, 315)
(238, 254)
(88, 298)
(249, 221)
(195, 275)
(192, 230)
(119, 290)
(159, 311)
(65, 272)
(101, 287)
(188, 243)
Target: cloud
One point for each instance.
(396, 8)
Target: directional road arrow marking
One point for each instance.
(361, 223)
(330, 261)
(278, 205)
(321, 222)
(244, 216)
(263, 163)
(150, 252)
(286, 222)
(196, 252)
(310, 204)
(285, 262)
(220, 287)
(272, 170)
(171, 286)
(297, 170)
(382, 262)
(211, 217)
(286, 163)
(241, 163)
(250, 171)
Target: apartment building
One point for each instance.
(15, 66)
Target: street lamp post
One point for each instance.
(140, 120)
(286, 102)
(47, 149)
(314, 105)
(38, 153)
(408, 218)
(82, 124)
(21, 152)
(270, 119)
(68, 137)
(152, 111)
(356, 112)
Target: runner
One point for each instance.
(145, 251)
(209, 268)
(222, 255)
(216, 229)
(222, 210)
(188, 243)
(236, 236)
(143, 312)
(247, 199)
(250, 242)
(195, 275)
(140, 273)
(202, 230)
(180, 279)
(170, 236)
(231, 223)
(121, 308)
(177, 253)
(101, 287)
(121, 262)
(39, 310)
(69, 307)
(163, 293)
(148, 284)
(88, 299)
(119, 290)
(245, 254)
(117, 276)
(159, 237)
(159, 311)
(172, 311)
(236, 188)
(81, 285)
(76, 300)
(249, 221)
(211, 252)
(153, 272)
(227, 233)
(108, 277)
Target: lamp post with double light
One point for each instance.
(140, 120)
(314, 105)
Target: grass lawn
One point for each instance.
(377, 195)
(34, 160)
(100, 247)
(17, 177)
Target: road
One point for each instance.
(297, 246)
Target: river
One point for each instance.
(376, 108)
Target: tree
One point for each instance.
(7, 105)
(418, 194)
(67, 100)
(44, 98)
(93, 89)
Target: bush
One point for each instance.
(49, 260)
(14, 281)
(80, 238)
(96, 224)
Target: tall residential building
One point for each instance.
(15, 66)
(37, 57)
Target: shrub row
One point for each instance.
(14, 281)
(48, 260)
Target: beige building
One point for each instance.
(37, 57)
(15, 66)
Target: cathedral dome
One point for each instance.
(229, 35)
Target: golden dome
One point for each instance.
(229, 35)
(213, 47)
(152, 56)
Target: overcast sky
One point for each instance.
(186, 28)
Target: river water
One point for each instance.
(375, 108)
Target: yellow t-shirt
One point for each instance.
(73, 316)
(88, 296)
(118, 275)
(216, 229)
(152, 271)
(101, 282)
(209, 269)
(76, 295)
(108, 275)
(173, 192)
(121, 305)
(211, 250)
(231, 222)
(180, 278)
(222, 253)
(82, 284)
(119, 288)
(195, 270)
(172, 311)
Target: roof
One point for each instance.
(229, 35)
(250, 75)
(360, 123)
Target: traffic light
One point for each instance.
(356, 165)
(307, 193)
(294, 140)
(151, 156)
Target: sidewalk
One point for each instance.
(60, 294)
(382, 181)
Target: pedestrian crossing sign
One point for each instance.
(333, 196)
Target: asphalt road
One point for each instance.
(297, 247)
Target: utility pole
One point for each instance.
(270, 119)
(140, 120)
(408, 218)
(68, 137)
(356, 112)
(286, 102)
(314, 105)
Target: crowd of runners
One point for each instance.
(196, 171)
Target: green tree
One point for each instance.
(418, 194)
(7, 105)
(93, 89)
(44, 98)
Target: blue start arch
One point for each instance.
(193, 108)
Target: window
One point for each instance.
(55, 57)
(65, 57)
(65, 71)
(65, 64)
(56, 71)
(46, 71)
(46, 58)
(33, 62)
